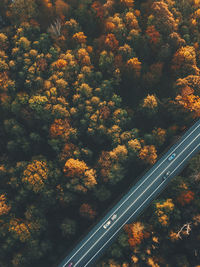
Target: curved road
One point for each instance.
(135, 201)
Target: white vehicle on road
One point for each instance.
(114, 217)
(107, 224)
(166, 175)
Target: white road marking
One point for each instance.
(132, 193)
(134, 213)
(140, 195)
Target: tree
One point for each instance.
(87, 211)
(136, 233)
(185, 197)
(35, 175)
(21, 10)
(162, 18)
(184, 62)
(148, 153)
(4, 207)
(68, 227)
(111, 42)
(134, 66)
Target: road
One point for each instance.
(135, 201)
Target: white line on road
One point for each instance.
(134, 213)
(140, 196)
(131, 194)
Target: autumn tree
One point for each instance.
(87, 211)
(184, 62)
(148, 153)
(163, 19)
(21, 10)
(35, 175)
(81, 177)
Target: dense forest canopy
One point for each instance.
(91, 93)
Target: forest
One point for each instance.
(91, 94)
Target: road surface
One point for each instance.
(135, 201)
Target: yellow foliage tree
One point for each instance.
(4, 208)
(190, 102)
(119, 153)
(134, 65)
(75, 167)
(149, 154)
(163, 208)
(150, 102)
(35, 175)
(20, 229)
(79, 37)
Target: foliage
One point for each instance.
(91, 92)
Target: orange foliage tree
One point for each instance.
(134, 65)
(80, 37)
(154, 36)
(4, 208)
(148, 153)
(163, 209)
(184, 62)
(136, 233)
(87, 211)
(60, 128)
(190, 102)
(20, 229)
(185, 197)
(111, 41)
(81, 177)
(35, 175)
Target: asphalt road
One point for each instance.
(135, 201)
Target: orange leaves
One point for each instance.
(75, 167)
(60, 128)
(87, 211)
(184, 61)
(67, 151)
(35, 175)
(109, 26)
(60, 63)
(3, 41)
(185, 197)
(104, 112)
(81, 177)
(135, 233)
(149, 154)
(42, 64)
(90, 178)
(154, 36)
(104, 164)
(79, 37)
(128, 3)
(83, 56)
(4, 208)
(134, 145)
(97, 6)
(190, 102)
(21, 229)
(111, 41)
(131, 20)
(135, 65)
(162, 209)
(150, 102)
(119, 153)
(159, 134)
(61, 7)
